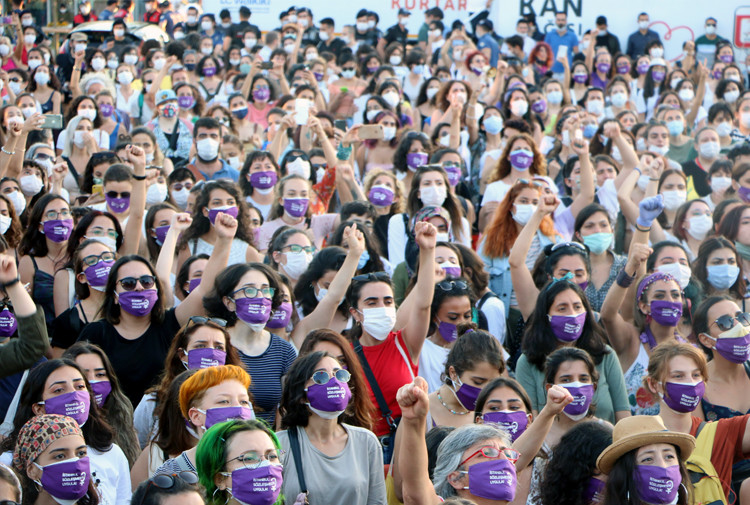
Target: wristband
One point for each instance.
(139, 177)
(11, 283)
(343, 153)
(653, 179)
(643, 229)
(623, 279)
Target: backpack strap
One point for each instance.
(382, 404)
(297, 454)
(485, 297)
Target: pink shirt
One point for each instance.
(259, 116)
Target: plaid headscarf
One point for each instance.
(426, 213)
(38, 433)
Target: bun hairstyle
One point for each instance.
(473, 346)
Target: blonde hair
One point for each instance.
(399, 198)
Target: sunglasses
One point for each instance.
(129, 283)
(115, 194)
(204, 320)
(575, 245)
(177, 186)
(167, 481)
(726, 322)
(449, 285)
(94, 259)
(494, 453)
(372, 277)
(322, 377)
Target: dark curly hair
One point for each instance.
(573, 463)
(473, 346)
(328, 259)
(226, 284)
(374, 264)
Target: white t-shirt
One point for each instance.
(102, 140)
(432, 364)
(495, 192)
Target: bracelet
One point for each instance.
(6, 151)
(77, 68)
(654, 179)
(638, 170)
(11, 283)
(645, 230)
(623, 279)
(139, 177)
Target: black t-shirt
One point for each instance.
(700, 177)
(336, 46)
(137, 363)
(66, 328)
(396, 34)
(237, 32)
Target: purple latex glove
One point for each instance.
(649, 209)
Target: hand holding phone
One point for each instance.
(301, 111)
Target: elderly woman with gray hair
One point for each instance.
(476, 461)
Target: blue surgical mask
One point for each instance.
(363, 260)
(589, 130)
(598, 242)
(675, 127)
(493, 124)
(722, 276)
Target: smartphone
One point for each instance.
(301, 111)
(97, 188)
(370, 132)
(562, 51)
(266, 65)
(340, 124)
(579, 135)
(53, 121)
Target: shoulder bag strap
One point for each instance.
(297, 454)
(382, 404)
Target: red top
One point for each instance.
(727, 446)
(390, 368)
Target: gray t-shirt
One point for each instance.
(355, 475)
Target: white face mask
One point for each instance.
(433, 196)
(296, 263)
(720, 184)
(392, 98)
(18, 201)
(89, 114)
(131, 59)
(674, 198)
(98, 64)
(663, 150)
(680, 272)
(709, 150)
(299, 167)
(208, 149)
(5, 222)
(523, 213)
(234, 162)
(519, 107)
(388, 133)
(30, 184)
(732, 96)
(379, 321)
(700, 226)
(618, 99)
(595, 107)
(431, 92)
(181, 197)
(125, 77)
(158, 63)
(723, 129)
(107, 241)
(686, 94)
(156, 193)
(78, 139)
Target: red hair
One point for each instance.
(193, 389)
(502, 232)
(472, 54)
(535, 51)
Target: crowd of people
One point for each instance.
(325, 263)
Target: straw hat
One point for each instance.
(637, 431)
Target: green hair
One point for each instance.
(211, 455)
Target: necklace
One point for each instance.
(450, 409)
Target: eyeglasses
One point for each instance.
(14, 79)
(203, 320)
(491, 452)
(129, 283)
(177, 186)
(449, 285)
(94, 259)
(58, 214)
(726, 322)
(372, 277)
(100, 232)
(322, 377)
(6, 304)
(43, 157)
(576, 245)
(252, 292)
(294, 248)
(166, 481)
(252, 459)
(115, 194)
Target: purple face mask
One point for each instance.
(262, 94)
(253, 310)
(161, 234)
(101, 390)
(8, 323)
(263, 180)
(582, 396)
(603, 68)
(185, 101)
(642, 68)
(106, 109)
(97, 275)
(259, 486)
(220, 414)
(296, 207)
(716, 74)
(118, 205)
(583, 285)
(454, 174)
(657, 485)
(467, 395)
(318, 76)
(666, 313)
(682, 397)
(209, 71)
(416, 160)
(514, 422)
(622, 68)
(658, 75)
(521, 159)
(67, 480)
(75, 404)
(567, 328)
(733, 345)
(138, 303)
(580, 78)
(452, 271)
(726, 58)
(333, 396)
(744, 193)
(58, 230)
(539, 106)
(232, 211)
(193, 284)
(280, 317)
(205, 357)
(594, 492)
(494, 480)
(381, 196)
(448, 331)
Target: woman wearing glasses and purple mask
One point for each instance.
(136, 330)
(335, 462)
